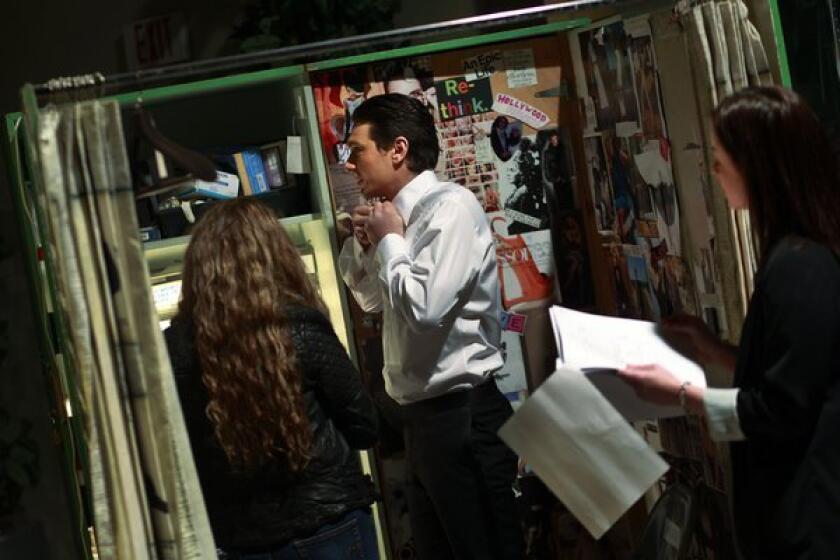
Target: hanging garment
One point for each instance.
(147, 502)
(728, 54)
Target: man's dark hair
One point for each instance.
(392, 115)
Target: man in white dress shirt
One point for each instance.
(424, 257)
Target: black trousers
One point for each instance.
(460, 476)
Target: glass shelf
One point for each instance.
(165, 256)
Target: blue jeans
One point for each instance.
(353, 537)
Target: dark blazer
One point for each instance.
(786, 485)
(273, 505)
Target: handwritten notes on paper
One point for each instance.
(517, 64)
(520, 69)
(483, 65)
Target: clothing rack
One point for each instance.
(311, 52)
(685, 5)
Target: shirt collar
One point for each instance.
(412, 192)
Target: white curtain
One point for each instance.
(147, 502)
(728, 54)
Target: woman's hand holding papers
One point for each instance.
(656, 384)
(691, 337)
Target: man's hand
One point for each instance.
(359, 219)
(343, 226)
(383, 219)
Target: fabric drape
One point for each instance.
(146, 499)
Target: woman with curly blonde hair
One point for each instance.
(272, 403)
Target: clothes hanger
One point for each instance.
(195, 164)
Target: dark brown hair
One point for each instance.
(240, 272)
(392, 115)
(784, 156)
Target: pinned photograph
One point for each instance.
(608, 76)
(491, 201)
(413, 77)
(505, 135)
(644, 72)
(624, 293)
(600, 183)
(648, 229)
(621, 173)
(460, 162)
(572, 262)
(680, 286)
(526, 205)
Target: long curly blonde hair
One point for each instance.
(240, 271)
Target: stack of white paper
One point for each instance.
(574, 431)
(599, 345)
(583, 450)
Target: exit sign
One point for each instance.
(156, 41)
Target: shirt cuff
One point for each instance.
(721, 406)
(390, 246)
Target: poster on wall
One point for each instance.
(524, 264)
(337, 94)
(412, 76)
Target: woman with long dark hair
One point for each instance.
(783, 416)
(272, 403)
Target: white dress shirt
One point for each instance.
(437, 288)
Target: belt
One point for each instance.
(447, 401)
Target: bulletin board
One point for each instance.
(629, 171)
(497, 116)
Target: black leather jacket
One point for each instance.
(273, 505)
